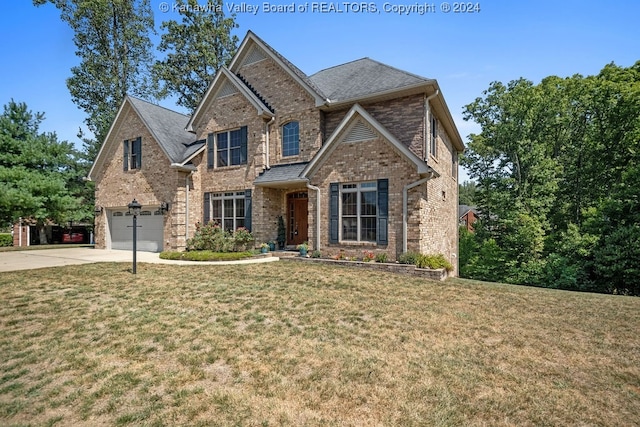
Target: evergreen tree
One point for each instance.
(38, 173)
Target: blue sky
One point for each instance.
(505, 40)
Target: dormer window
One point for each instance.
(290, 139)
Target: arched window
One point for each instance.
(290, 139)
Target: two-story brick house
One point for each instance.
(360, 156)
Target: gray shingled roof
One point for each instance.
(361, 78)
(281, 174)
(168, 128)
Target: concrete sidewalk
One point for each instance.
(27, 260)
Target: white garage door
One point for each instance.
(150, 230)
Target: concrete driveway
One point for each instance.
(27, 260)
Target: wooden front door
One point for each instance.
(298, 218)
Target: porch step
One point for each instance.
(286, 253)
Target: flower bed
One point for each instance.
(439, 274)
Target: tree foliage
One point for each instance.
(557, 172)
(195, 50)
(39, 175)
(115, 51)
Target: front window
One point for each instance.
(227, 209)
(231, 147)
(290, 139)
(359, 210)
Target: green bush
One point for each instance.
(6, 240)
(408, 258)
(381, 257)
(433, 262)
(205, 256)
(212, 237)
(316, 254)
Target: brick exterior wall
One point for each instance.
(404, 118)
(151, 185)
(291, 102)
(432, 220)
(361, 162)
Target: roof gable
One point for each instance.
(247, 53)
(358, 126)
(225, 83)
(167, 127)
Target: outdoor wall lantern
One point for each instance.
(164, 207)
(97, 210)
(134, 209)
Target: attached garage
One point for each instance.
(150, 230)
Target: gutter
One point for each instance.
(317, 190)
(405, 209)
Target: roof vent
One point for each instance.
(227, 89)
(360, 132)
(255, 55)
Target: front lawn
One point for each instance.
(298, 344)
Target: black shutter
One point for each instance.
(207, 208)
(243, 145)
(247, 209)
(137, 148)
(210, 151)
(383, 211)
(334, 212)
(125, 155)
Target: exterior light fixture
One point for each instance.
(134, 209)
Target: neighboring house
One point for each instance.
(360, 156)
(467, 216)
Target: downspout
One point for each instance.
(20, 232)
(427, 119)
(268, 163)
(317, 190)
(405, 208)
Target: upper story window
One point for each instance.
(227, 148)
(132, 154)
(291, 139)
(433, 138)
(454, 163)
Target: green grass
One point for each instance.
(298, 344)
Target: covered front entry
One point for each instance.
(150, 230)
(298, 218)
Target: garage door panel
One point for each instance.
(150, 231)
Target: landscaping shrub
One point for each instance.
(433, 262)
(212, 237)
(381, 257)
(408, 258)
(6, 240)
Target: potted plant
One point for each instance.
(303, 248)
(264, 248)
(282, 232)
(272, 245)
